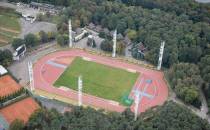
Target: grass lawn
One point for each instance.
(98, 79)
(8, 21)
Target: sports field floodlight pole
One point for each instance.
(138, 97)
(80, 91)
(31, 78)
(137, 100)
(114, 43)
(70, 33)
(161, 55)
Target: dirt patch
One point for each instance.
(3, 41)
(9, 30)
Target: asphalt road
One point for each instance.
(203, 1)
(54, 104)
(20, 68)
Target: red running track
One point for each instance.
(45, 75)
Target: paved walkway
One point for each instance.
(202, 113)
(20, 68)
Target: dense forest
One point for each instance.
(168, 117)
(187, 39)
(182, 24)
(196, 12)
(186, 82)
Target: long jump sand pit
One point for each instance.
(149, 83)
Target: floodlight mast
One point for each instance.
(80, 91)
(137, 101)
(31, 78)
(114, 43)
(161, 55)
(70, 33)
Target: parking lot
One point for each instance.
(36, 27)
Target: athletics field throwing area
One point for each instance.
(106, 81)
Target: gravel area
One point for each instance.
(36, 27)
(20, 68)
(54, 104)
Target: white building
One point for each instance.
(3, 71)
(80, 36)
(29, 17)
(19, 52)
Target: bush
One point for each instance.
(16, 125)
(31, 40)
(17, 42)
(13, 95)
(51, 36)
(40, 17)
(102, 34)
(120, 48)
(106, 45)
(91, 43)
(43, 36)
(62, 40)
(6, 57)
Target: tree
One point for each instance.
(31, 40)
(40, 17)
(16, 42)
(62, 39)
(121, 26)
(120, 48)
(43, 36)
(170, 116)
(186, 81)
(91, 42)
(190, 54)
(5, 57)
(51, 35)
(16, 125)
(132, 34)
(106, 45)
(205, 69)
(205, 73)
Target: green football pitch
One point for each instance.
(98, 79)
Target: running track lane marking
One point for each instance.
(50, 62)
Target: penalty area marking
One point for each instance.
(86, 58)
(64, 88)
(50, 62)
(113, 102)
(131, 70)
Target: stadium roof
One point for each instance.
(8, 85)
(20, 110)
